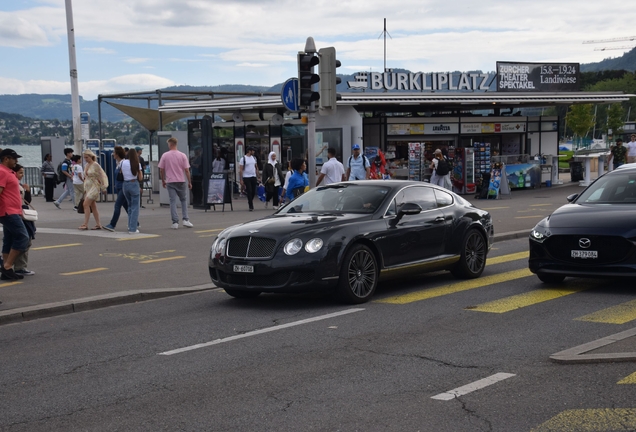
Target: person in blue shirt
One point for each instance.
(298, 180)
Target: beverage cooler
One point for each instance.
(463, 174)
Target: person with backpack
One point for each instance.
(358, 166)
(441, 168)
(65, 175)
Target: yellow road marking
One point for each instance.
(8, 284)
(166, 251)
(84, 271)
(494, 208)
(631, 379)
(212, 230)
(207, 235)
(539, 205)
(457, 287)
(519, 301)
(527, 217)
(161, 259)
(591, 420)
(56, 246)
(138, 238)
(507, 258)
(620, 314)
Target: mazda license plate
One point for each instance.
(243, 269)
(584, 254)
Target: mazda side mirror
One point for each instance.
(572, 197)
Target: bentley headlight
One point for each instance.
(293, 246)
(538, 236)
(313, 245)
(219, 245)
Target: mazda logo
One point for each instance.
(584, 243)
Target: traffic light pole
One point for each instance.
(311, 144)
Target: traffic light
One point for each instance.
(328, 81)
(307, 78)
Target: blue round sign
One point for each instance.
(289, 94)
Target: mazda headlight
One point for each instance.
(538, 236)
(313, 245)
(293, 246)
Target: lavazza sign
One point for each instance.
(511, 77)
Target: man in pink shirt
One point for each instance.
(173, 166)
(16, 238)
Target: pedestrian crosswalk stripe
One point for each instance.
(620, 314)
(457, 287)
(591, 420)
(522, 300)
(507, 258)
(631, 379)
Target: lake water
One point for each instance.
(32, 154)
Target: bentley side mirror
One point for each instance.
(408, 208)
(572, 197)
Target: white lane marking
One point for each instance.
(261, 331)
(477, 385)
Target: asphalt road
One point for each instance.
(433, 354)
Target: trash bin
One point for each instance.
(576, 171)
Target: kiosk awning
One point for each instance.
(148, 117)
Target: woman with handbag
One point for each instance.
(133, 175)
(274, 178)
(21, 261)
(95, 182)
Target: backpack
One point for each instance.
(61, 177)
(443, 167)
(367, 164)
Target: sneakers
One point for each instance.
(75, 208)
(187, 223)
(175, 226)
(25, 272)
(109, 227)
(57, 204)
(10, 274)
(133, 232)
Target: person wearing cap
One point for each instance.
(248, 173)
(618, 153)
(67, 170)
(631, 150)
(358, 166)
(16, 237)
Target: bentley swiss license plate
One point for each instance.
(243, 269)
(584, 254)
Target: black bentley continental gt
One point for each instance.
(346, 237)
(592, 236)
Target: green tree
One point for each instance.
(580, 119)
(615, 118)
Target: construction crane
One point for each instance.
(614, 48)
(620, 39)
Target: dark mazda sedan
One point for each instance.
(346, 237)
(592, 236)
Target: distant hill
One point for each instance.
(50, 106)
(627, 62)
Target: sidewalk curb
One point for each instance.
(96, 302)
(578, 353)
(512, 235)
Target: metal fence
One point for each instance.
(34, 179)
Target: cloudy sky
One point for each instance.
(133, 45)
